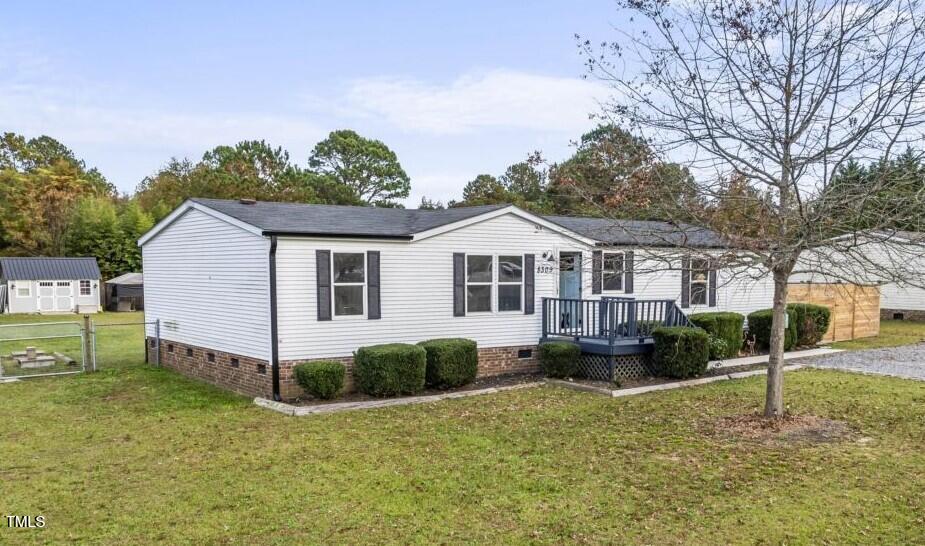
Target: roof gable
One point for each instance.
(52, 269)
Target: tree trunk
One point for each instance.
(774, 399)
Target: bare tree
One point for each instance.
(779, 96)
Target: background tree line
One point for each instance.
(53, 204)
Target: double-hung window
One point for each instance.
(612, 273)
(23, 290)
(85, 288)
(478, 283)
(700, 281)
(510, 282)
(349, 276)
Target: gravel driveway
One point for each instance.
(906, 361)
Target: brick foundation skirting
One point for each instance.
(241, 374)
(493, 361)
(253, 377)
(907, 314)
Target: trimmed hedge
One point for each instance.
(391, 369)
(681, 352)
(812, 322)
(759, 325)
(451, 362)
(559, 358)
(726, 326)
(322, 379)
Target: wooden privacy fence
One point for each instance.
(855, 308)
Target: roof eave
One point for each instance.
(306, 234)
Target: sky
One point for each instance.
(455, 89)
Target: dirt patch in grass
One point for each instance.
(788, 430)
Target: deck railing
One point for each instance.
(611, 319)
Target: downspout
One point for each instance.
(274, 332)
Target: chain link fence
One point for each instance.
(41, 349)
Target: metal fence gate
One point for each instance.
(43, 349)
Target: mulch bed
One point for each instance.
(479, 383)
(790, 429)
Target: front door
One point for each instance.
(570, 288)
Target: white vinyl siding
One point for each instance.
(656, 279)
(416, 290)
(893, 296)
(208, 283)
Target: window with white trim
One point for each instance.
(478, 283)
(700, 281)
(85, 289)
(510, 282)
(349, 278)
(24, 290)
(612, 272)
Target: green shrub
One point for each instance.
(812, 322)
(559, 358)
(759, 325)
(322, 379)
(726, 326)
(681, 352)
(718, 347)
(390, 370)
(450, 362)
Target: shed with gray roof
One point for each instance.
(49, 285)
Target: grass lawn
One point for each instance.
(892, 334)
(136, 454)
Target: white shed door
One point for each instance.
(64, 296)
(46, 296)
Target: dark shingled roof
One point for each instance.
(340, 221)
(50, 269)
(640, 232)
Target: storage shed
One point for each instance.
(125, 293)
(49, 285)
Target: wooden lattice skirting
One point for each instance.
(599, 367)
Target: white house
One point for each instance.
(245, 290)
(49, 285)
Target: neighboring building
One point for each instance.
(49, 285)
(237, 286)
(125, 293)
(894, 261)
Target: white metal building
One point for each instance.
(49, 285)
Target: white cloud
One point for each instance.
(499, 99)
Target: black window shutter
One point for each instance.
(323, 271)
(685, 282)
(529, 283)
(628, 268)
(374, 310)
(459, 284)
(712, 294)
(597, 267)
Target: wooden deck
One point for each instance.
(609, 326)
(598, 346)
